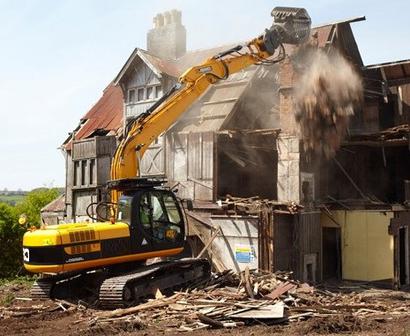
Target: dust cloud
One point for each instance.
(327, 92)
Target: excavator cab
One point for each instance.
(155, 219)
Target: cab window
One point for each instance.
(160, 216)
(124, 210)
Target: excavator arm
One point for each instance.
(291, 25)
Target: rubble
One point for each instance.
(254, 297)
(253, 205)
(229, 300)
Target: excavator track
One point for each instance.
(41, 289)
(128, 289)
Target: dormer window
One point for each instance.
(131, 96)
(150, 92)
(158, 91)
(141, 94)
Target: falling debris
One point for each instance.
(327, 92)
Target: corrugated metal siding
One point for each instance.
(106, 114)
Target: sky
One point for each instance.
(56, 57)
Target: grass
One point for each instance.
(11, 199)
(20, 280)
(7, 299)
(8, 288)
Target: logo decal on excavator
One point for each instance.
(170, 234)
(26, 254)
(144, 242)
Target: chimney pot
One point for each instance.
(176, 16)
(168, 37)
(168, 19)
(160, 20)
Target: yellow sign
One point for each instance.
(170, 234)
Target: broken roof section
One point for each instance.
(214, 109)
(393, 73)
(105, 117)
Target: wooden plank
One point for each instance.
(275, 311)
(208, 244)
(280, 290)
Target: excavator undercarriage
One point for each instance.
(121, 289)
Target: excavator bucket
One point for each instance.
(293, 24)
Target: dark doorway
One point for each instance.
(331, 253)
(403, 255)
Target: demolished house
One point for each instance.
(258, 200)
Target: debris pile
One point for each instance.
(253, 205)
(229, 301)
(326, 94)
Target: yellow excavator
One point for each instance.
(147, 219)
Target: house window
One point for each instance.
(92, 171)
(131, 96)
(140, 94)
(83, 172)
(150, 92)
(76, 173)
(158, 91)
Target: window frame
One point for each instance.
(150, 231)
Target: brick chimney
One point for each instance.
(168, 37)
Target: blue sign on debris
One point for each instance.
(243, 254)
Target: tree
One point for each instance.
(10, 237)
(34, 202)
(11, 233)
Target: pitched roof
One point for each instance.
(394, 73)
(172, 68)
(107, 113)
(57, 205)
(106, 116)
(176, 67)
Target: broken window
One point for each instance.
(131, 96)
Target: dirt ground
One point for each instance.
(21, 317)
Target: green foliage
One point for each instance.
(11, 233)
(33, 202)
(7, 300)
(11, 199)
